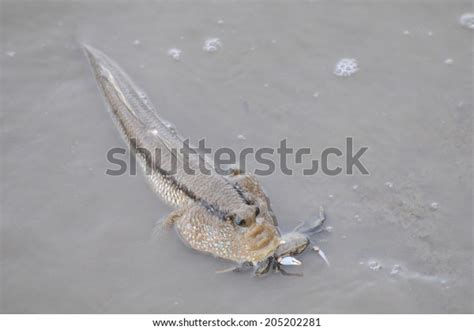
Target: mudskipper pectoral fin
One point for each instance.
(168, 222)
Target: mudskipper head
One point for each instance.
(256, 237)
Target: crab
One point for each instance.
(292, 244)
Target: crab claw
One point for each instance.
(289, 261)
(322, 255)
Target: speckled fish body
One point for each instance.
(209, 206)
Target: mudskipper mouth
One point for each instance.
(262, 242)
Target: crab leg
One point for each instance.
(321, 254)
(313, 228)
(237, 269)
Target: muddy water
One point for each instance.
(399, 240)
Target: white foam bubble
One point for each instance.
(175, 53)
(136, 42)
(374, 265)
(448, 61)
(406, 32)
(212, 45)
(241, 137)
(389, 184)
(169, 125)
(467, 20)
(434, 205)
(395, 269)
(346, 67)
(10, 53)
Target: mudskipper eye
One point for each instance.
(230, 217)
(240, 222)
(257, 211)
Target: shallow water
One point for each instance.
(76, 240)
